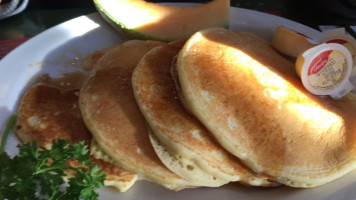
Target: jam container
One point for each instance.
(338, 36)
(326, 69)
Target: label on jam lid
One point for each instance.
(339, 41)
(325, 70)
(319, 62)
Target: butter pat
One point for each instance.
(290, 43)
(325, 70)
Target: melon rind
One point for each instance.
(179, 22)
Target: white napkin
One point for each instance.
(12, 7)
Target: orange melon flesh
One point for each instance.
(146, 20)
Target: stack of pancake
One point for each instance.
(222, 106)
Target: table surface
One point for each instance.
(43, 14)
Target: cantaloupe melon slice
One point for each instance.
(146, 20)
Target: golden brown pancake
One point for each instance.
(181, 141)
(115, 175)
(111, 114)
(47, 112)
(90, 60)
(250, 98)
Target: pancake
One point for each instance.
(47, 112)
(252, 101)
(115, 175)
(110, 112)
(90, 60)
(181, 141)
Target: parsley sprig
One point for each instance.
(38, 173)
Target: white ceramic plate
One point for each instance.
(60, 50)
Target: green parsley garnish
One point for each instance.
(38, 173)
